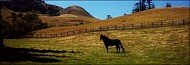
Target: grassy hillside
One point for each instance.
(54, 21)
(166, 45)
(6, 13)
(153, 15)
(67, 20)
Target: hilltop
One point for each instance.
(41, 7)
(152, 15)
(56, 21)
(76, 10)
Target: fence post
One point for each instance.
(107, 27)
(56, 35)
(172, 23)
(141, 25)
(67, 33)
(86, 30)
(100, 28)
(132, 26)
(161, 24)
(61, 34)
(183, 22)
(92, 29)
(73, 32)
(123, 26)
(115, 27)
(152, 24)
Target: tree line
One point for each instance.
(19, 24)
(145, 5)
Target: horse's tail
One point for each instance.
(119, 42)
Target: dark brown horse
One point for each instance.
(111, 42)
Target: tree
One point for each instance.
(18, 27)
(1, 30)
(153, 6)
(150, 4)
(168, 4)
(4, 26)
(109, 16)
(1, 33)
(136, 8)
(21, 25)
(33, 22)
(143, 5)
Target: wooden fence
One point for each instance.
(113, 27)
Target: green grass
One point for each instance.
(167, 45)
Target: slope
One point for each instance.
(153, 15)
(53, 21)
(67, 20)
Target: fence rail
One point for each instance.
(113, 27)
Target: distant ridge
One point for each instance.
(76, 10)
(39, 6)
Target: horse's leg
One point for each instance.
(117, 48)
(107, 48)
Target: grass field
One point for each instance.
(167, 45)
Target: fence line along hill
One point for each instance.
(114, 27)
(153, 15)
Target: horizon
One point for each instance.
(100, 9)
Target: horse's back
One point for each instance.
(117, 40)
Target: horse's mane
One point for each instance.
(104, 37)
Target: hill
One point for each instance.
(76, 10)
(54, 21)
(39, 6)
(67, 20)
(153, 15)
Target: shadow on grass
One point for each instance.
(9, 54)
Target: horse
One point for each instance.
(112, 42)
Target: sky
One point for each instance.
(100, 9)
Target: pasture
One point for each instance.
(166, 45)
